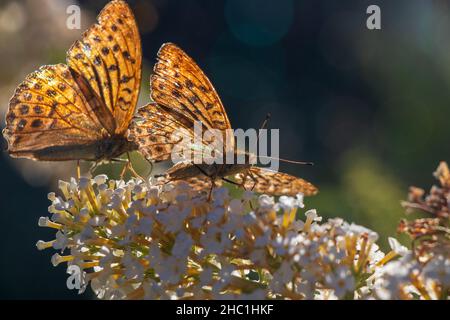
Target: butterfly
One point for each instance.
(81, 110)
(182, 95)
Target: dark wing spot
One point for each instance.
(97, 39)
(203, 89)
(51, 93)
(120, 21)
(37, 86)
(27, 96)
(125, 79)
(97, 60)
(127, 56)
(189, 84)
(176, 93)
(105, 51)
(23, 86)
(14, 101)
(36, 123)
(110, 38)
(112, 67)
(22, 123)
(10, 116)
(62, 86)
(209, 106)
(116, 48)
(24, 109)
(40, 98)
(114, 28)
(193, 99)
(78, 56)
(37, 109)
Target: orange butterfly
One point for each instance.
(183, 95)
(81, 110)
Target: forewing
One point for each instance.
(47, 110)
(109, 58)
(179, 84)
(274, 183)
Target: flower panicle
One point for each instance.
(430, 234)
(137, 240)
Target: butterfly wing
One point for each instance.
(180, 85)
(49, 117)
(186, 172)
(109, 57)
(160, 133)
(197, 184)
(274, 183)
(68, 112)
(157, 132)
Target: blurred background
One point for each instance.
(371, 108)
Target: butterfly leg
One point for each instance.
(213, 180)
(151, 166)
(78, 170)
(93, 167)
(124, 169)
(126, 166)
(213, 185)
(254, 181)
(130, 167)
(246, 175)
(232, 182)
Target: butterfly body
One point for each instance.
(184, 96)
(185, 170)
(103, 149)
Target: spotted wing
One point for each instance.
(180, 85)
(199, 184)
(160, 134)
(274, 183)
(108, 57)
(50, 118)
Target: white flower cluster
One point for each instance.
(407, 279)
(135, 240)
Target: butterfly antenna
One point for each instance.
(266, 121)
(264, 125)
(308, 163)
